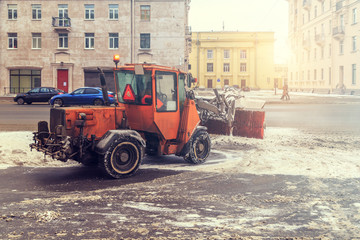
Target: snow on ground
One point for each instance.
(284, 151)
(15, 151)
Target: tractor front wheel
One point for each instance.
(199, 148)
(123, 158)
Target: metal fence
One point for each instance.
(14, 90)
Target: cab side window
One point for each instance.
(166, 91)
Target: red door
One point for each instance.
(63, 79)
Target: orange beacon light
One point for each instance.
(116, 59)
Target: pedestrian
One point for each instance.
(285, 94)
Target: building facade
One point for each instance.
(242, 59)
(324, 40)
(61, 43)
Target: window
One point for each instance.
(315, 74)
(322, 74)
(354, 74)
(354, 43)
(341, 47)
(210, 54)
(36, 40)
(145, 40)
(12, 40)
(323, 7)
(22, 80)
(322, 52)
(314, 53)
(226, 67)
(63, 15)
(113, 40)
(166, 97)
(89, 11)
(44, 90)
(36, 11)
(113, 11)
(145, 13)
(329, 76)
(354, 16)
(242, 67)
(89, 40)
(243, 54)
(226, 54)
(12, 11)
(210, 67)
(91, 91)
(315, 12)
(63, 40)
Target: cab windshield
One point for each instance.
(140, 84)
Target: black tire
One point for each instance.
(98, 102)
(199, 148)
(20, 101)
(59, 102)
(123, 157)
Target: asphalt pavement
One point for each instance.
(78, 202)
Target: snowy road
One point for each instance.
(298, 182)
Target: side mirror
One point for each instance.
(190, 80)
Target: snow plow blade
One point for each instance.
(229, 113)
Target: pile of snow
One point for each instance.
(283, 151)
(15, 151)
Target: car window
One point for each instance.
(52, 90)
(79, 91)
(35, 90)
(91, 91)
(44, 90)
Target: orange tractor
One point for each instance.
(154, 114)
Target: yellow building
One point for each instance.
(242, 59)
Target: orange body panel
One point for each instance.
(189, 121)
(99, 120)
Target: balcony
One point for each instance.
(320, 39)
(306, 44)
(339, 32)
(188, 32)
(339, 5)
(61, 23)
(307, 4)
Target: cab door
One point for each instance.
(167, 114)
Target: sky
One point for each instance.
(244, 15)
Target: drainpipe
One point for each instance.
(132, 26)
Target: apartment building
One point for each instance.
(61, 43)
(242, 59)
(324, 40)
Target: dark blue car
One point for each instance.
(82, 96)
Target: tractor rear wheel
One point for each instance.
(199, 148)
(123, 157)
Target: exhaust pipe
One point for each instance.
(104, 87)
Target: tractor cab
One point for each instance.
(156, 106)
(153, 96)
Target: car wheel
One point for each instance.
(58, 101)
(20, 101)
(98, 102)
